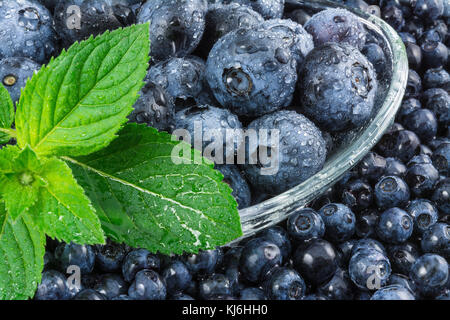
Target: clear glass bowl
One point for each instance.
(352, 146)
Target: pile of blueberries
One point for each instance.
(381, 233)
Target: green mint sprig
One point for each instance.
(78, 173)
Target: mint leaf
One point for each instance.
(145, 200)
(76, 104)
(22, 248)
(6, 114)
(62, 210)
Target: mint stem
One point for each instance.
(11, 132)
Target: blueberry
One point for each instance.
(258, 257)
(393, 292)
(367, 267)
(212, 123)
(365, 223)
(395, 167)
(423, 122)
(26, 30)
(316, 261)
(71, 254)
(338, 87)
(336, 25)
(204, 262)
(394, 226)
(252, 294)
(269, 9)
(391, 191)
(436, 78)
(300, 154)
(221, 19)
(414, 53)
(230, 267)
(372, 167)
(339, 222)
(176, 276)
(137, 260)
(438, 101)
(421, 177)
(402, 257)
(109, 257)
(176, 26)
(437, 240)
(89, 294)
(441, 196)
(435, 54)
(154, 107)
(340, 287)
(429, 9)
(368, 243)
(252, 72)
(234, 178)
(357, 4)
(214, 285)
(112, 286)
(441, 158)
(95, 17)
(181, 296)
(183, 79)
(300, 42)
(124, 297)
(285, 284)
(305, 224)
(315, 296)
(414, 26)
(401, 144)
(344, 251)
(14, 73)
(147, 285)
(394, 16)
(53, 286)
(375, 54)
(430, 274)
(414, 85)
(298, 15)
(424, 214)
(279, 236)
(404, 281)
(407, 107)
(407, 37)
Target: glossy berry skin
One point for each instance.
(423, 122)
(211, 119)
(429, 9)
(395, 167)
(339, 287)
(435, 54)
(441, 196)
(437, 240)
(372, 167)
(247, 79)
(336, 25)
(402, 144)
(430, 274)
(214, 285)
(258, 257)
(424, 214)
(176, 26)
(285, 284)
(436, 78)
(26, 30)
(393, 292)
(375, 55)
(137, 260)
(82, 256)
(252, 294)
(154, 108)
(316, 261)
(181, 297)
(241, 190)
(367, 264)
(89, 294)
(14, 73)
(408, 106)
(414, 54)
(394, 226)
(53, 286)
(305, 224)
(404, 281)
(338, 87)
(203, 262)
(176, 276)
(368, 243)
(301, 152)
(421, 176)
(365, 223)
(357, 195)
(394, 16)
(269, 9)
(109, 257)
(441, 158)
(111, 286)
(402, 257)
(280, 237)
(183, 79)
(339, 222)
(221, 19)
(147, 285)
(414, 85)
(438, 101)
(391, 191)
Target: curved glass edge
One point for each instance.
(276, 209)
